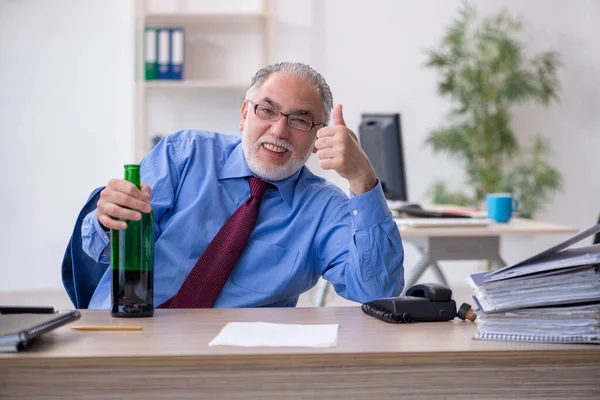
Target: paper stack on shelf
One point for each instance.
(553, 296)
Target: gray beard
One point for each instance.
(270, 173)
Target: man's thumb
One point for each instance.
(338, 117)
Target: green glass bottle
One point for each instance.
(132, 262)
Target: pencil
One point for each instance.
(107, 328)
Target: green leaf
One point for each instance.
(440, 195)
(452, 140)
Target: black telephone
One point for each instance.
(424, 302)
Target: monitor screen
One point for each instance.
(381, 140)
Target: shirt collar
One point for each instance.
(236, 167)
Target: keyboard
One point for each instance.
(417, 211)
(441, 222)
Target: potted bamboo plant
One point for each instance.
(485, 73)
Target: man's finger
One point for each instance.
(326, 153)
(338, 117)
(127, 201)
(147, 190)
(116, 211)
(326, 131)
(128, 188)
(323, 143)
(111, 223)
(328, 163)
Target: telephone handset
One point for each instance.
(423, 302)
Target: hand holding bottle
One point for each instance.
(131, 246)
(122, 199)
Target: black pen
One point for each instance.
(26, 310)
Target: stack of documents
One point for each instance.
(553, 296)
(573, 323)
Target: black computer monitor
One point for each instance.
(381, 139)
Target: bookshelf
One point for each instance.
(204, 17)
(197, 83)
(226, 42)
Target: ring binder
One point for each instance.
(553, 296)
(537, 338)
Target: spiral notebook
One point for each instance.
(514, 337)
(558, 324)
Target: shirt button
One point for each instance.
(355, 212)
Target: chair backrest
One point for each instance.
(81, 274)
(597, 235)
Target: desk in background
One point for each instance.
(171, 359)
(469, 243)
(459, 243)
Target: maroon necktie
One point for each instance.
(205, 281)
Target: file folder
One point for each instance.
(553, 296)
(164, 53)
(177, 53)
(150, 56)
(574, 323)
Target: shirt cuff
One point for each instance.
(95, 238)
(369, 208)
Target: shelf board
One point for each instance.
(203, 17)
(199, 84)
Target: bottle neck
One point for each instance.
(132, 174)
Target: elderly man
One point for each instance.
(302, 227)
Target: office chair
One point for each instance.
(81, 274)
(597, 235)
(321, 293)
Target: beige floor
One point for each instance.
(60, 300)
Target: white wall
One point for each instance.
(374, 62)
(66, 70)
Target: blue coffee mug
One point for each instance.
(500, 206)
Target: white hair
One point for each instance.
(304, 72)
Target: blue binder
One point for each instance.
(164, 54)
(177, 53)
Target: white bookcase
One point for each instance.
(226, 42)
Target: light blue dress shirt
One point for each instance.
(306, 228)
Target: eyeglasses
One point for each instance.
(272, 114)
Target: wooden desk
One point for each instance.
(469, 243)
(171, 359)
(516, 227)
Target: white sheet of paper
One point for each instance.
(251, 334)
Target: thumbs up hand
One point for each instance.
(337, 147)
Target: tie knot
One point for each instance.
(258, 187)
